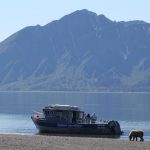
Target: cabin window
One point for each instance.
(81, 115)
(61, 115)
(48, 113)
(74, 118)
(57, 115)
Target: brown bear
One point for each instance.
(135, 134)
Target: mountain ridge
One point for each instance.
(81, 51)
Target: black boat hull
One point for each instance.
(45, 126)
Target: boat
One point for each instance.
(67, 119)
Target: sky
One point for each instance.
(17, 14)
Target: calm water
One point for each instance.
(132, 110)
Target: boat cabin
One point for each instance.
(64, 114)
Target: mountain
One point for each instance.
(82, 51)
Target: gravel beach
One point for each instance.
(40, 142)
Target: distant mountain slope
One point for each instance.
(81, 51)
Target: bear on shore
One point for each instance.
(134, 134)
